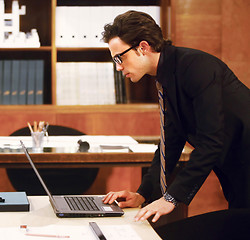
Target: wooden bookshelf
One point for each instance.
(137, 119)
(41, 15)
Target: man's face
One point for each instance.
(133, 64)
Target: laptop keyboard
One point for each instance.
(82, 203)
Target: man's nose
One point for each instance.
(119, 67)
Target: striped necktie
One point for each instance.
(162, 140)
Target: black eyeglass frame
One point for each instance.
(117, 58)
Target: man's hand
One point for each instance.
(124, 198)
(158, 208)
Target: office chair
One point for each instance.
(59, 180)
(229, 224)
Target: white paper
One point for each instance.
(111, 232)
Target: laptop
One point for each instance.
(77, 205)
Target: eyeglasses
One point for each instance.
(117, 57)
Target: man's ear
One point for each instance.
(144, 47)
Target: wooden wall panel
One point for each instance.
(236, 37)
(219, 27)
(197, 24)
(113, 123)
(11, 123)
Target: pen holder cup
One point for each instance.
(37, 141)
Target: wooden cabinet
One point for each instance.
(128, 119)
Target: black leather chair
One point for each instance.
(58, 180)
(231, 224)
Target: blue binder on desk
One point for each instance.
(14, 202)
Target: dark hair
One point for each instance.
(132, 27)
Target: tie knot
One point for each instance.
(158, 86)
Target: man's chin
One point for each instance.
(134, 80)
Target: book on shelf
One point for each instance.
(81, 26)
(120, 89)
(31, 83)
(85, 83)
(6, 81)
(21, 82)
(14, 82)
(39, 78)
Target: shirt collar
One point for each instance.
(166, 63)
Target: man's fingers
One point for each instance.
(143, 214)
(123, 204)
(147, 215)
(108, 198)
(128, 203)
(156, 217)
(112, 196)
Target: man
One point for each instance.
(203, 103)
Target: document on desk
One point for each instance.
(111, 232)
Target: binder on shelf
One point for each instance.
(110, 79)
(14, 202)
(23, 82)
(31, 82)
(116, 83)
(59, 22)
(14, 82)
(120, 88)
(85, 26)
(39, 77)
(61, 88)
(73, 83)
(6, 81)
(81, 26)
(85, 83)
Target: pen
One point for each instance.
(97, 231)
(45, 235)
(40, 126)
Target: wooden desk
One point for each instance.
(83, 159)
(74, 160)
(80, 159)
(42, 215)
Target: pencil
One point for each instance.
(46, 235)
(35, 126)
(31, 130)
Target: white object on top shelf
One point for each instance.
(10, 35)
(82, 26)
